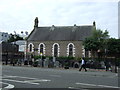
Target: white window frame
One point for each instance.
(29, 47)
(58, 49)
(43, 48)
(83, 51)
(73, 49)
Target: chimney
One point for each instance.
(36, 21)
(94, 24)
(52, 28)
(74, 27)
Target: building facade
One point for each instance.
(9, 52)
(58, 41)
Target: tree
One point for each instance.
(114, 50)
(26, 32)
(14, 37)
(97, 41)
(22, 32)
(114, 47)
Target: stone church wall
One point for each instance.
(62, 44)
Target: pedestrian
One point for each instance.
(13, 62)
(107, 66)
(83, 65)
(19, 62)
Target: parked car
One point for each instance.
(94, 65)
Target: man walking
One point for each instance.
(83, 65)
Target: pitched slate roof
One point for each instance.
(56, 33)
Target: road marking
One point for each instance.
(4, 76)
(41, 80)
(10, 86)
(97, 85)
(76, 88)
(20, 81)
(71, 87)
(26, 81)
(55, 75)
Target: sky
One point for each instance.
(19, 15)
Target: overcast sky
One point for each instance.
(19, 15)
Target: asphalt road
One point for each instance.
(36, 77)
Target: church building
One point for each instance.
(58, 41)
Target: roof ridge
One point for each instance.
(65, 26)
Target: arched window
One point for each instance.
(30, 47)
(71, 50)
(41, 48)
(55, 50)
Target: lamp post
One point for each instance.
(41, 55)
(14, 47)
(106, 63)
(6, 54)
(42, 60)
(13, 61)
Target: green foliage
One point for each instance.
(14, 37)
(66, 64)
(50, 57)
(91, 44)
(114, 46)
(99, 34)
(62, 58)
(58, 58)
(36, 57)
(26, 38)
(96, 41)
(99, 40)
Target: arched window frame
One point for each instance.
(43, 48)
(29, 47)
(83, 51)
(73, 49)
(58, 54)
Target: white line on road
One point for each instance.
(97, 85)
(76, 88)
(33, 81)
(20, 81)
(10, 86)
(4, 76)
(41, 80)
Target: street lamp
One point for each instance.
(6, 53)
(14, 47)
(41, 55)
(41, 59)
